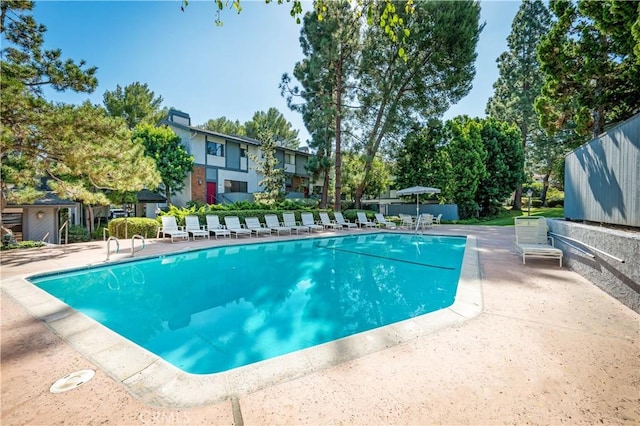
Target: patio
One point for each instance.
(549, 347)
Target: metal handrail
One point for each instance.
(109, 243)
(137, 237)
(65, 228)
(562, 237)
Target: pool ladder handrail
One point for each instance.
(109, 244)
(133, 240)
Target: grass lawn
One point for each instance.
(506, 217)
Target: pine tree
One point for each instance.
(592, 75)
(267, 165)
(520, 79)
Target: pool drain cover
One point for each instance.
(72, 381)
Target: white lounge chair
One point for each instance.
(192, 226)
(327, 222)
(364, 222)
(406, 221)
(532, 239)
(425, 221)
(307, 220)
(170, 227)
(436, 220)
(340, 220)
(289, 219)
(233, 225)
(272, 223)
(382, 221)
(214, 227)
(253, 224)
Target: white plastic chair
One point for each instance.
(192, 226)
(170, 227)
(214, 226)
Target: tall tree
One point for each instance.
(437, 72)
(504, 164)
(135, 103)
(224, 125)
(467, 157)
(171, 159)
(378, 181)
(331, 47)
(268, 166)
(592, 76)
(419, 160)
(520, 79)
(273, 122)
(79, 148)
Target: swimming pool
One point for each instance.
(213, 310)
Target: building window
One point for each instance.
(215, 148)
(243, 151)
(235, 186)
(290, 159)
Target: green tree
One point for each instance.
(268, 166)
(80, 149)
(467, 157)
(273, 122)
(438, 70)
(504, 164)
(382, 14)
(330, 46)
(520, 79)
(171, 159)
(353, 167)
(420, 160)
(225, 126)
(592, 76)
(136, 104)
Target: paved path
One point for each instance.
(548, 348)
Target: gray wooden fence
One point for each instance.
(602, 177)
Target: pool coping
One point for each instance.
(158, 383)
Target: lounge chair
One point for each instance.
(214, 227)
(406, 221)
(436, 220)
(327, 222)
(272, 223)
(340, 220)
(364, 222)
(233, 225)
(382, 221)
(253, 224)
(192, 226)
(532, 239)
(425, 221)
(289, 219)
(307, 220)
(170, 227)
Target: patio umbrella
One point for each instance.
(417, 190)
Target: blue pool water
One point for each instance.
(213, 310)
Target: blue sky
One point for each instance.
(209, 71)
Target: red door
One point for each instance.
(211, 192)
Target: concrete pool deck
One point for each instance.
(546, 347)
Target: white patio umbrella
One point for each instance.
(417, 190)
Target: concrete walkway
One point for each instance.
(549, 347)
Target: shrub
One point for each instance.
(98, 233)
(555, 202)
(22, 245)
(128, 227)
(536, 203)
(78, 234)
